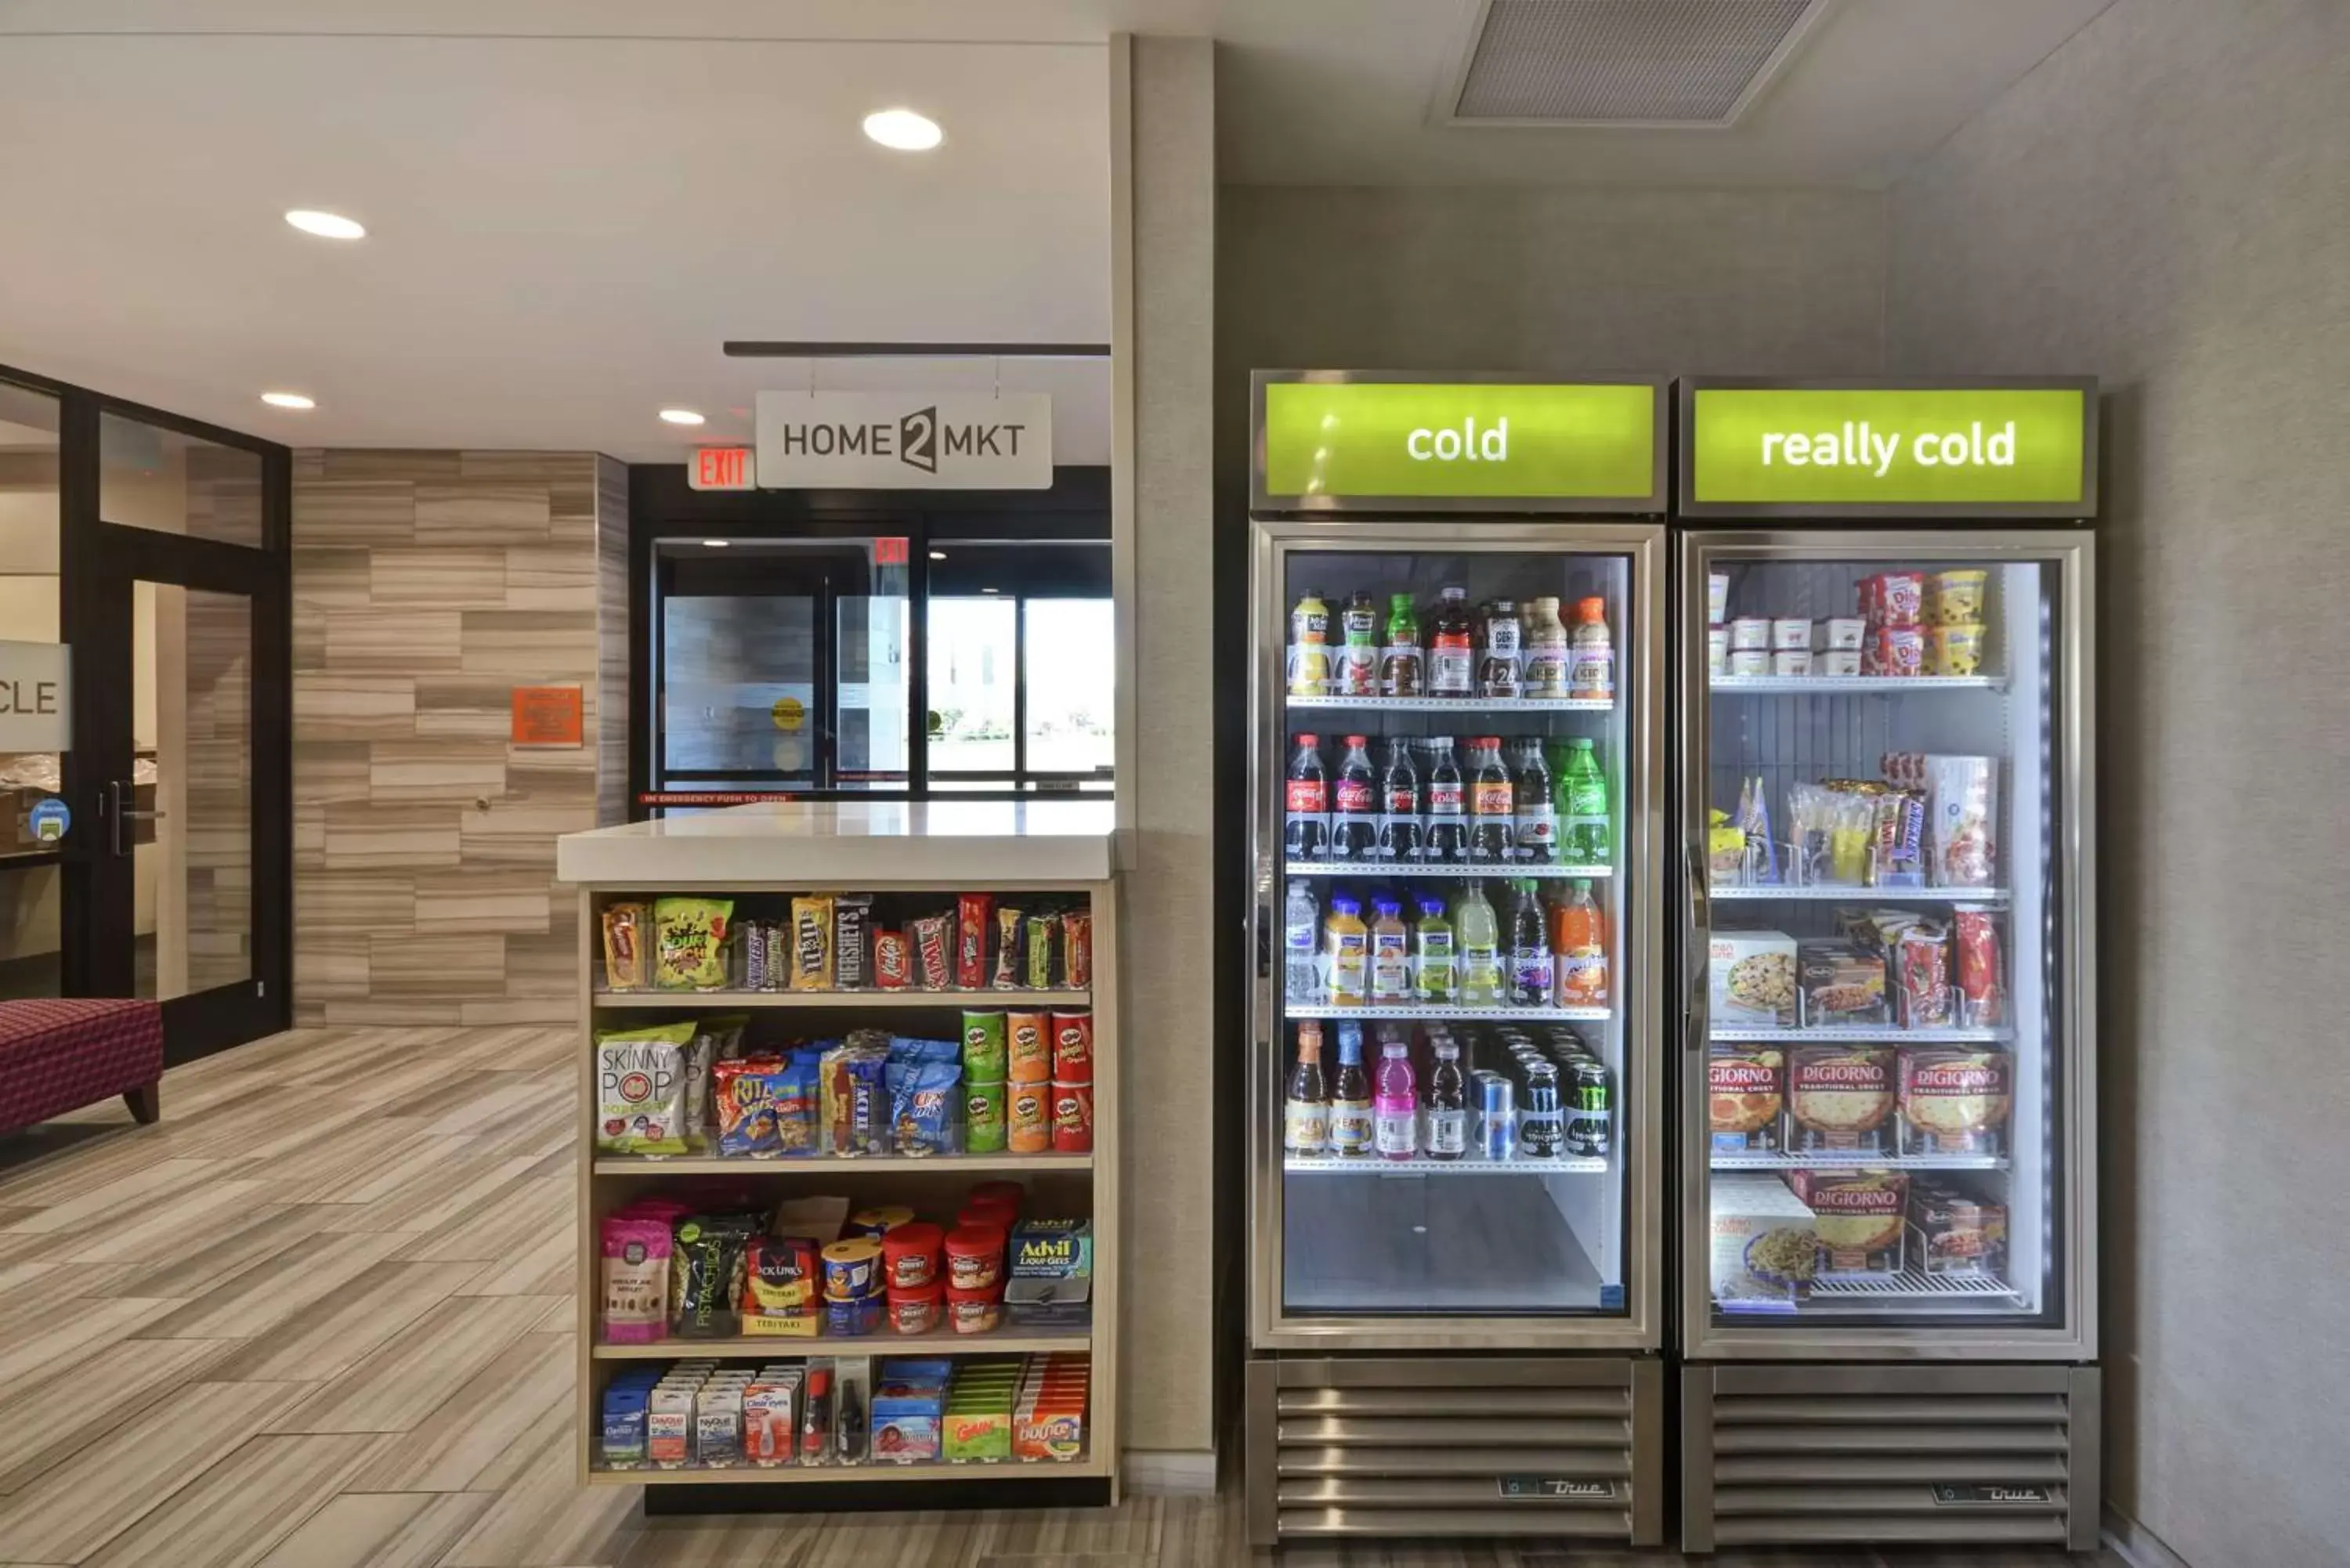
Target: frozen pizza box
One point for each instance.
(1752, 980)
(1859, 1216)
(1765, 1244)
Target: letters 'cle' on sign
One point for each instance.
(1324, 443)
(905, 441)
(36, 697)
(1854, 447)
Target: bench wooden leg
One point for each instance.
(146, 1103)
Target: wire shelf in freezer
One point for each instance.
(1849, 1159)
(1848, 685)
(1908, 1284)
(1368, 1165)
(1863, 1033)
(1381, 869)
(1820, 891)
(1409, 1012)
(1452, 704)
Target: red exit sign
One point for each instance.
(889, 552)
(720, 468)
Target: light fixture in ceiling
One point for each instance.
(990, 590)
(903, 131)
(716, 543)
(680, 417)
(327, 226)
(937, 555)
(288, 400)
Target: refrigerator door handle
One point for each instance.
(1700, 913)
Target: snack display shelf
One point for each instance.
(1419, 1165)
(1085, 1464)
(1842, 685)
(1862, 1034)
(1380, 871)
(839, 998)
(767, 1347)
(1462, 705)
(1413, 1013)
(1848, 893)
(1908, 1284)
(835, 1164)
(1853, 1159)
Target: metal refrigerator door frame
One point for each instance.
(1641, 1325)
(2074, 551)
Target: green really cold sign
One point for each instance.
(1842, 446)
(1500, 440)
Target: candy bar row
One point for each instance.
(849, 942)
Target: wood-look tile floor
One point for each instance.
(319, 1317)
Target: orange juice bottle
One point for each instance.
(1578, 943)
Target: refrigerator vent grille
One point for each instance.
(1934, 1463)
(1626, 62)
(1452, 1449)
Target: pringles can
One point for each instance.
(1029, 1117)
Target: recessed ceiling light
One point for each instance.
(989, 590)
(288, 400)
(937, 555)
(680, 416)
(903, 131)
(716, 543)
(327, 226)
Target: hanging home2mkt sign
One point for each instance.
(1994, 448)
(1364, 443)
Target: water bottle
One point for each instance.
(1301, 941)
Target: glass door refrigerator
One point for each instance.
(1886, 790)
(1454, 1087)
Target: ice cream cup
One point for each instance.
(1791, 633)
(1846, 631)
(1749, 632)
(1958, 597)
(1749, 661)
(1791, 661)
(1717, 650)
(1717, 598)
(1954, 649)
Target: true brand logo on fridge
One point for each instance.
(1787, 445)
(904, 440)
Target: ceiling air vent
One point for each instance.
(1627, 62)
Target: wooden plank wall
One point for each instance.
(427, 585)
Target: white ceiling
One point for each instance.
(575, 202)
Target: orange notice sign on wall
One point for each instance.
(546, 716)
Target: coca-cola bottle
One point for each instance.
(1307, 835)
(1536, 814)
(1354, 805)
(1399, 835)
(1493, 803)
(1446, 840)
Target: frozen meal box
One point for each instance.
(1840, 985)
(1840, 1098)
(1765, 1242)
(1954, 1099)
(1752, 976)
(1859, 1217)
(1745, 1090)
(1953, 1233)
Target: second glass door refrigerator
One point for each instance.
(1455, 1110)
(1886, 804)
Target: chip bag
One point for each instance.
(689, 943)
(641, 1089)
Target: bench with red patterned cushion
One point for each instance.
(60, 1054)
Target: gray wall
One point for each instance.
(2166, 202)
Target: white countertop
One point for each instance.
(943, 843)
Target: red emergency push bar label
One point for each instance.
(720, 468)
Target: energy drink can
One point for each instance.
(1589, 1115)
(1497, 1117)
(1544, 1129)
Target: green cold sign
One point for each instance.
(1500, 440)
(1842, 446)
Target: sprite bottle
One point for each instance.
(1584, 838)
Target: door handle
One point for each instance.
(121, 813)
(1698, 911)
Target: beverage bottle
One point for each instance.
(1536, 823)
(1583, 827)
(1304, 1107)
(1403, 672)
(1436, 966)
(1546, 649)
(1499, 671)
(1578, 939)
(1390, 952)
(1447, 1105)
(1395, 1104)
(1358, 657)
(1446, 840)
(1305, 835)
(1301, 944)
(1452, 649)
(1346, 951)
(1591, 653)
(1350, 1095)
(1354, 805)
(1530, 961)
(1493, 803)
(1309, 646)
(1479, 937)
(1399, 837)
